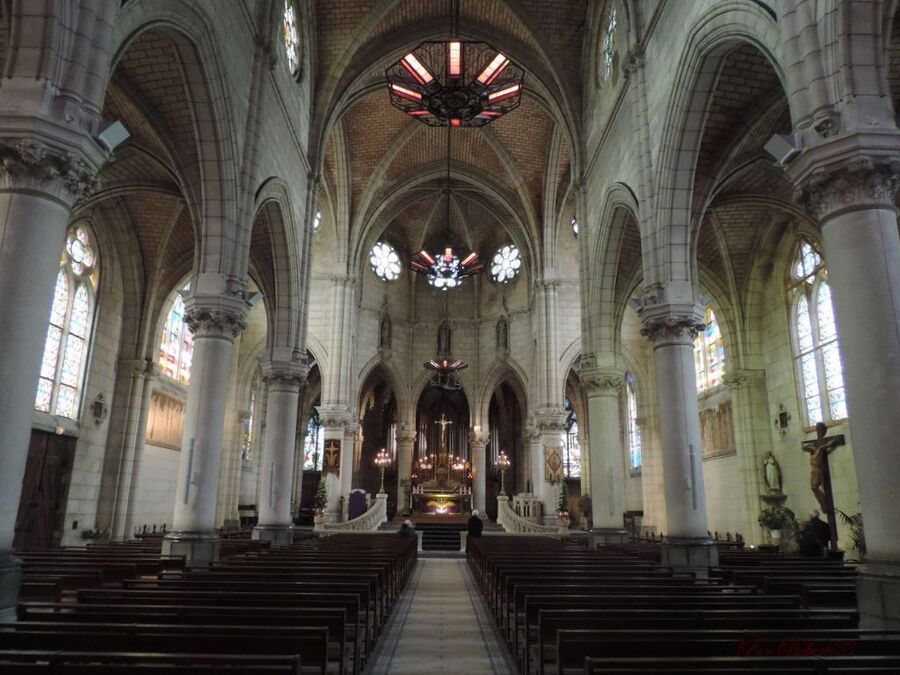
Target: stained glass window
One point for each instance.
(709, 353)
(506, 264)
(635, 456)
(385, 261)
(572, 463)
(317, 221)
(815, 339)
(574, 226)
(291, 35)
(176, 346)
(608, 44)
(250, 421)
(313, 444)
(71, 319)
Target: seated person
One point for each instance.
(407, 529)
(475, 526)
(814, 537)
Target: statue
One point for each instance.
(820, 473)
(772, 473)
(384, 333)
(444, 338)
(502, 335)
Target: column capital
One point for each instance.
(284, 375)
(479, 437)
(216, 315)
(669, 320)
(860, 182)
(741, 377)
(337, 416)
(548, 420)
(30, 164)
(406, 434)
(597, 381)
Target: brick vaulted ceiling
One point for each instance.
(737, 190)
(376, 154)
(146, 177)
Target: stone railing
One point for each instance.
(516, 524)
(367, 522)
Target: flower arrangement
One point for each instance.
(776, 517)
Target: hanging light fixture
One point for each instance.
(455, 83)
(447, 268)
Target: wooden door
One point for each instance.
(44, 490)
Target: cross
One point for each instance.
(444, 422)
(820, 474)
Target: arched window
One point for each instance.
(314, 444)
(71, 320)
(176, 346)
(291, 35)
(250, 420)
(709, 353)
(816, 351)
(635, 457)
(572, 460)
(608, 43)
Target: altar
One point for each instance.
(441, 482)
(441, 503)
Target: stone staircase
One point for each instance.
(440, 536)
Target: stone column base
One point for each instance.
(276, 535)
(10, 581)
(608, 535)
(690, 555)
(198, 548)
(878, 595)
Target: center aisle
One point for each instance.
(441, 625)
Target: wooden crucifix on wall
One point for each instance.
(820, 474)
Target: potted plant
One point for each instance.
(321, 504)
(857, 533)
(775, 519)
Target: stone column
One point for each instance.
(406, 438)
(548, 448)
(283, 381)
(855, 208)
(215, 321)
(38, 186)
(672, 328)
(336, 420)
(603, 389)
(478, 441)
(131, 474)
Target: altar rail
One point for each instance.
(366, 522)
(516, 524)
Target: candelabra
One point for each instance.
(382, 461)
(503, 464)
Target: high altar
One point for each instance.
(442, 484)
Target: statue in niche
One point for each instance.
(772, 474)
(502, 335)
(444, 337)
(384, 332)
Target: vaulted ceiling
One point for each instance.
(384, 172)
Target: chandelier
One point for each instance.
(455, 83)
(447, 268)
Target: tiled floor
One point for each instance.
(441, 625)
